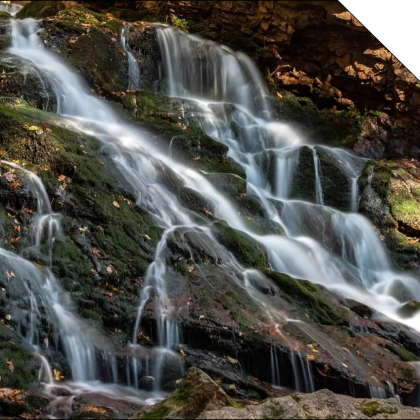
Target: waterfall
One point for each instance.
(318, 185)
(44, 289)
(133, 65)
(12, 9)
(230, 94)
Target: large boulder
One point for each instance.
(196, 393)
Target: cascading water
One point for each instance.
(133, 65)
(232, 108)
(43, 289)
(12, 9)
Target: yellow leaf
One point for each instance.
(231, 360)
(61, 178)
(315, 351)
(116, 205)
(310, 357)
(57, 375)
(33, 128)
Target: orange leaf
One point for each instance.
(116, 205)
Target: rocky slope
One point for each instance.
(198, 397)
(106, 248)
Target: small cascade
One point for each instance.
(318, 184)
(133, 64)
(275, 367)
(12, 9)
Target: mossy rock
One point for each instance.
(100, 59)
(243, 247)
(4, 16)
(123, 236)
(358, 308)
(306, 296)
(410, 309)
(402, 353)
(303, 184)
(369, 409)
(233, 186)
(25, 368)
(41, 9)
(336, 186)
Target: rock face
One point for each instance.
(197, 396)
(391, 199)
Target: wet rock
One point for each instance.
(147, 383)
(410, 309)
(247, 250)
(41, 9)
(390, 200)
(196, 393)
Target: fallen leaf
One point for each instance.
(99, 254)
(57, 375)
(196, 159)
(116, 204)
(201, 317)
(10, 363)
(94, 272)
(14, 185)
(17, 228)
(10, 275)
(315, 351)
(39, 264)
(181, 352)
(33, 128)
(344, 365)
(61, 178)
(8, 317)
(10, 177)
(17, 102)
(190, 269)
(14, 240)
(232, 360)
(109, 269)
(310, 357)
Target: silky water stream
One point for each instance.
(339, 250)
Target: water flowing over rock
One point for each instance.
(192, 227)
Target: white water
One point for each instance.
(12, 9)
(336, 249)
(133, 65)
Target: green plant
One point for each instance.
(179, 23)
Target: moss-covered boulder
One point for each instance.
(243, 247)
(410, 309)
(18, 368)
(303, 184)
(305, 295)
(391, 199)
(335, 180)
(196, 393)
(41, 9)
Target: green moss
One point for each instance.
(25, 370)
(369, 409)
(402, 353)
(100, 59)
(410, 309)
(160, 412)
(233, 403)
(303, 294)
(37, 402)
(40, 9)
(245, 249)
